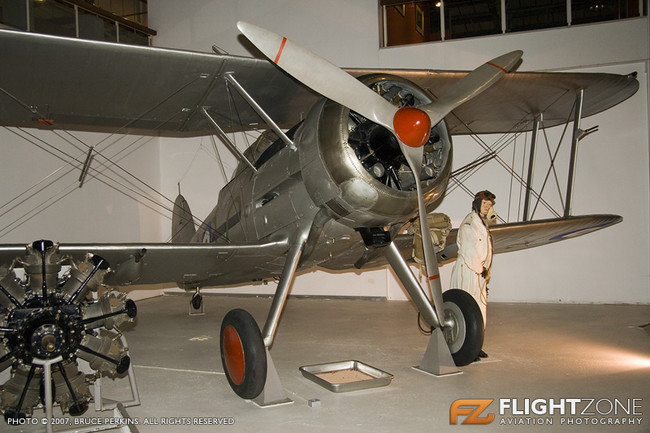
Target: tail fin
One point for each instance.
(183, 229)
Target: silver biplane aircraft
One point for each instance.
(351, 158)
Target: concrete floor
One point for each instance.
(537, 351)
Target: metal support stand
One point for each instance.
(437, 358)
(273, 393)
(46, 364)
(193, 312)
(118, 408)
(119, 413)
(102, 404)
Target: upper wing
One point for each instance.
(87, 85)
(506, 238)
(187, 264)
(50, 81)
(513, 102)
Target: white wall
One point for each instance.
(40, 196)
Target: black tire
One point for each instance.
(197, 301)
(465, 338)
(243, 354)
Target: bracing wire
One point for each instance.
(492, 152)
(489, 154)
(219, 160)
(69, 160)
(107, 163)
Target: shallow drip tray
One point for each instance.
(344, 376)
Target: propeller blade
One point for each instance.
(471, 85)
(320, 75)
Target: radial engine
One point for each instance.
(53, 315)
(355, 169)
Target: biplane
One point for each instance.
(349, 160)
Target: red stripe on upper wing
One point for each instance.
(277, 57)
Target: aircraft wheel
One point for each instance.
(197, 301)
(243, 354)
(465, 335)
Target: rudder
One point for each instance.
(183, 228)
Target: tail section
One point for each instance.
(183, 229)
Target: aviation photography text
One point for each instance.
(548, 411)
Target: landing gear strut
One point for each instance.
(244, 349)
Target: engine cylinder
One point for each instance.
(355, 169)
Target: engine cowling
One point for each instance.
(355, 169)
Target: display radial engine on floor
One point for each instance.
(50, 320)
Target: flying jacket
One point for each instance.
(474, 244)
(474, 254)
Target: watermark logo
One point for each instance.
(471, 410)
(547, 411)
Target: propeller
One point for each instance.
(410, 125)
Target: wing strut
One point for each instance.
(230, 78)
(227, 141)
(574, 152)
(531, 164)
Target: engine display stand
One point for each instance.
(101, 404)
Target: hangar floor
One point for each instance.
(558, 352)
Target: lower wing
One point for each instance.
(507, 237)
(186, 264)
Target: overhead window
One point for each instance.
(53, 18)
(467, 18)
(122, 21)
(524, 15)
(591, 11)
(413, 22)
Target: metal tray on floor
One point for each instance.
(344, 376)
